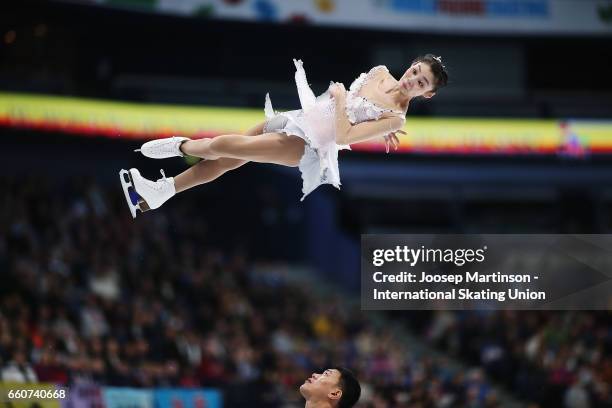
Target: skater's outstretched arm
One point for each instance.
(347, 133)
(371, 130)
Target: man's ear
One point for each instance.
(335, 395)
(428, 94)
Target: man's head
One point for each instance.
(337, 385)
(424, 77)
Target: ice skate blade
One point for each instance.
(127, 183)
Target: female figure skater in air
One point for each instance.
(309, 138)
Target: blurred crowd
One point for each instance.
(91, 295)
(554, 358)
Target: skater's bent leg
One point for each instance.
(209, 170)
(275, 148)
(205, 172)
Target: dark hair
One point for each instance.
(437, 69)
(351, 390)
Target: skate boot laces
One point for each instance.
(159, 184)
(162, 181)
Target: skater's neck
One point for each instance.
(400, 99)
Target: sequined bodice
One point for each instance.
(360, 109)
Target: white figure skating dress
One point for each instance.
(315, 123)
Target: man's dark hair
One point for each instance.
(351, 390)
(437, 69)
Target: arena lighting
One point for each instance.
(121, 120)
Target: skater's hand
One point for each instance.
(337, 89)
(392, 139)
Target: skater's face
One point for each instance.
(322, 387)
(418, 80)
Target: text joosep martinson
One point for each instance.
(459, 257)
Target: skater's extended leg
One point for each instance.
(209, 170)
(205, 172)
(275, 148)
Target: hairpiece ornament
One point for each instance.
(439, 59)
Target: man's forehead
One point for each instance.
(332, 371)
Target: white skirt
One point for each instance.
(315, 124)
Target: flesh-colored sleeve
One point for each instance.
(371, 130)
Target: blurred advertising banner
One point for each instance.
(177, 398)
(88, 117)
(469, 16)
(127, 397)
(84, 395)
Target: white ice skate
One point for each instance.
(163, 148)
(142, 194)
